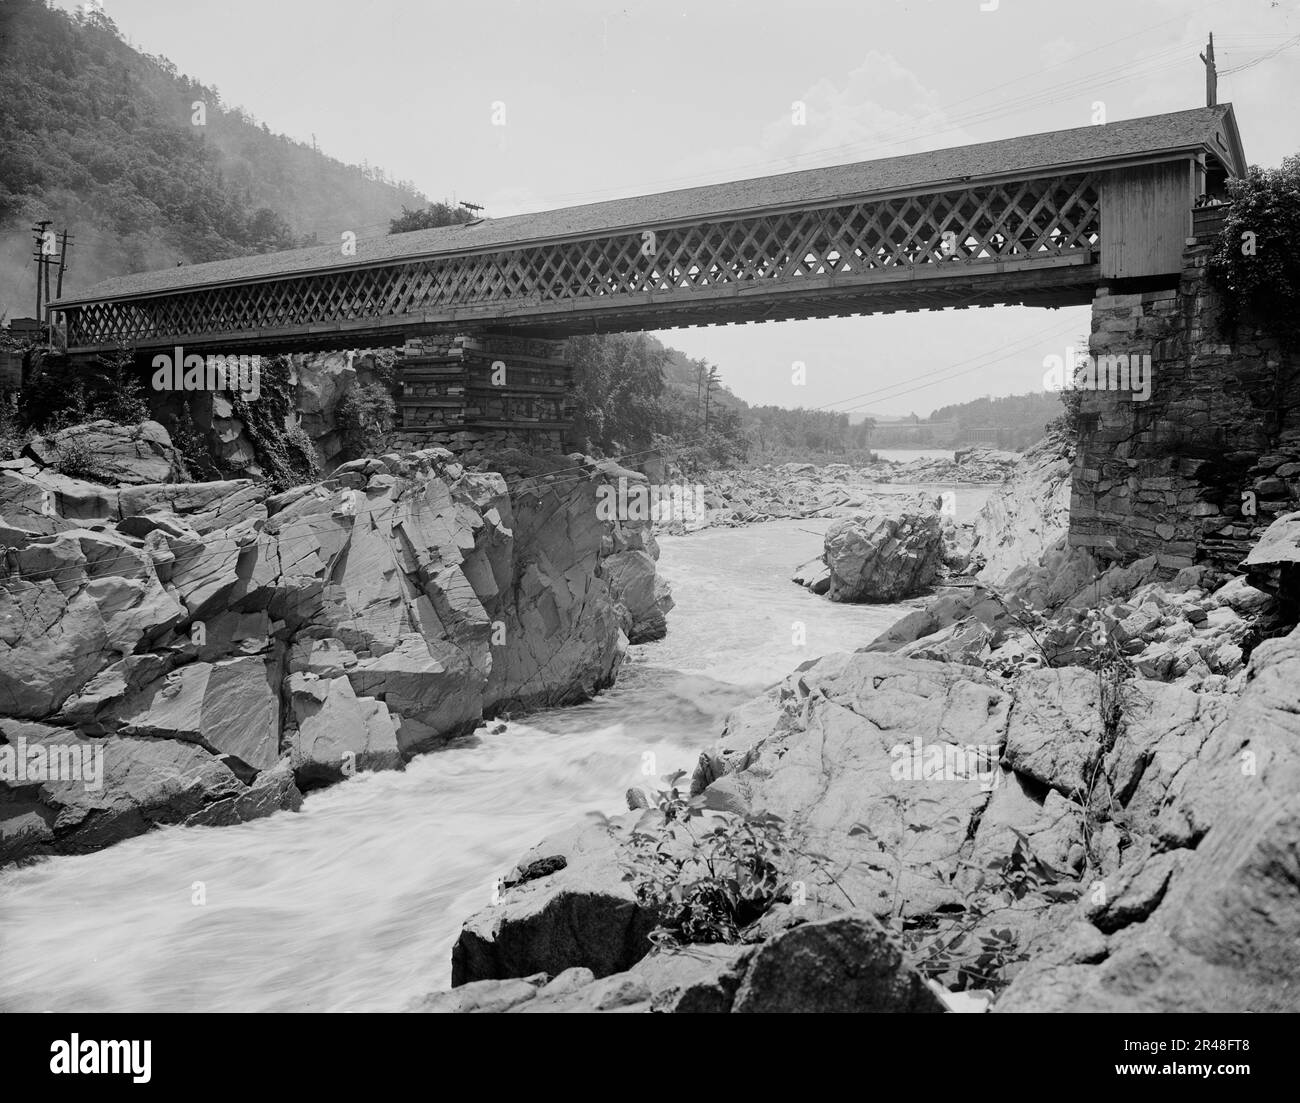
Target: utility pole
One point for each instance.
(48, 299)
(63, 263)
(1211, 74)
(42, 270)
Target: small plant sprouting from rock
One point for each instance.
(1031, 622)
(363, 416)
(709, 884)
(962, 947)
(74, 457)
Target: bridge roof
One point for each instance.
(1155, 137)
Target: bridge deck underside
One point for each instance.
(1032, 242)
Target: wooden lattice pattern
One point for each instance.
(973, 227)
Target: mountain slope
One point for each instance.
(103, 140)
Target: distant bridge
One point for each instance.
(1041, 220)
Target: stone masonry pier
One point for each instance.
(1195, 473)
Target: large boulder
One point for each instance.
(562, 640)
(566, 904)
(337, 731)
(112, 453)
(641, 594)
(1274, 562)
(133, 785)
(844, 964)
(884, 558)
(51, 644)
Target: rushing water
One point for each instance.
(353, 904)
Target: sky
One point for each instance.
(604, 100)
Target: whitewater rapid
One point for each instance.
(353, 904)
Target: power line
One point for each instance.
(1265, 57)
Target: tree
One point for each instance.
(429, 218)
(618, 380)
(1254, 264)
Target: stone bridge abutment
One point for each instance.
(1197, 471)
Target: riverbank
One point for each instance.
(375, 876)
(205, 653)
(1060, 794)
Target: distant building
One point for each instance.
(999, 437)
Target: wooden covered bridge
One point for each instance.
(1040, 220)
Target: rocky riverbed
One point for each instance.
(756, 494)
(1061, 785)
(202, 653)
(1067, 786)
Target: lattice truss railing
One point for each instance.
(982, 225)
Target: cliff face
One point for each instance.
(1028, 514)
(207, 650)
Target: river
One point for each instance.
(354, 903)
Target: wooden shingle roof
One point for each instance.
(1155, 137)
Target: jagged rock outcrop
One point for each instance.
(1274, 563)
(1186, 629)
(1027, 515)
(1158, 824)
(241, 646)
(1217, 927)
(129, 454)
(317, 385)
(642, 595)
(881, 557)
(824, 751)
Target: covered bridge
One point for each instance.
(1040, 220)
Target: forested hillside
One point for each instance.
(105, 141)
(1020, 418)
